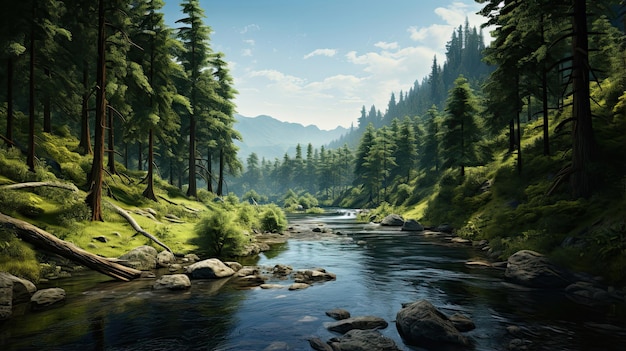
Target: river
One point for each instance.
(377, 270)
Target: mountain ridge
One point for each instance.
(271, 138)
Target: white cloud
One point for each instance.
(246, 52)
(386, 46)
(250, 42)
(250, 28)
(321, 52)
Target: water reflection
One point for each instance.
(375, 277)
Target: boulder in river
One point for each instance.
(531, 269)
(338, 314)
(411, 225)
(143, 258)
(314, 275)
(165, 258)
(393, 220)
(358, 340)
(421, 324)
(212, 268)
(362, 322)
(47, 297)
(21, 289)
(172, 282)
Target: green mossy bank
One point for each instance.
(209, 225)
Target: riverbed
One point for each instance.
(377, 268)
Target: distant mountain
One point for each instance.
(271, 138)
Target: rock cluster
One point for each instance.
(358, 333)
(14, 290)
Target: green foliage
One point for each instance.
(219, 235)
(13, 165)
(380, 212)
(248, 216)
(273, 219)
(17, 258)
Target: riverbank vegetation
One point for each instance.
(521, 142)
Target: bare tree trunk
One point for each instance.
(137, 227)
(149, 192)
(47, 113)
(582, 133)
(67, 186)
(220, 182)
(9, 134)
(85, 132)
(49, 242)
(111, 144)
(30, 157)
(209, 168)
(192, 190)
(94, 199)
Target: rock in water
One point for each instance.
(165, 258)
(364, 322)
(209, 269)
(172, 282)
(412, 225)
(359, 340)
(47, 297)
(532, 269)
(421, 324)
(143, 258)
(338, 314)
(393, 220)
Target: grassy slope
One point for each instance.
(62, 213)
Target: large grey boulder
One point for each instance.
(212, 268)
(143, 258)
(47, 297)
(411, 225)
(172, 282)
(22, 289)
(361, 340)
(363, 322)
(421, 324)
(532, 269)
(393, 220)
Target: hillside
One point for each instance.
(270, 138)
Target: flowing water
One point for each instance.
(377, 270)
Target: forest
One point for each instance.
(520, 142)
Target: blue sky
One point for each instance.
(319, 61)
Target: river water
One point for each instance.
(377, 270)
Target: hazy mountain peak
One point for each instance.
(271, 138)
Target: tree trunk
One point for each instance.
(111, 144)
(85, 132)
(94, 199)
(140, 156)
(209, 168)
(512, 135)
(220, 182)
(582, 133)
(49, 242)
(30, 157)
(47, 118)
(544, 98)
(9, 134)
(149, 192)
(67, 186)
(137, 227)
(192, 190)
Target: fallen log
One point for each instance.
(47, 241)
(137, 227)
(17, 186)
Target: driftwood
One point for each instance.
(66, 186)
(47, 241)
(137, 227)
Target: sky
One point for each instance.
(317, 62)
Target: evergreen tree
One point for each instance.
(194, 35)
(461, 131)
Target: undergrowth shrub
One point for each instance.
(219, 234)
(17, 257)
(13, 165)
(273, 219)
